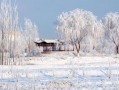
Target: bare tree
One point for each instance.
(75, 25)
(111, 23)
(9, 26)
(96, 35)
(5, 19)
(31, 35)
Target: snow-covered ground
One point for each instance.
(62, 71)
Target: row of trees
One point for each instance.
(14, 40)
(85, 32)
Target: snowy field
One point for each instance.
(62, 72)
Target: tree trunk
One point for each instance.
(29, 47)
(2, 47)
(117, 50)
(77, 49)
(73, 47)
(2, 57)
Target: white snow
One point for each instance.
(62, 71)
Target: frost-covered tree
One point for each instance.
(97, 36)
(8, 19)
(9, 30)
(15, 29)
(18, 44)
(12, 39)
(111, 23)
(31, 35)
(74, 26)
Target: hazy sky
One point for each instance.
(45, 12)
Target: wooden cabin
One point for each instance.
(49, 45)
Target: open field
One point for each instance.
(62, 72)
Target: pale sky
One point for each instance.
(45, 12)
